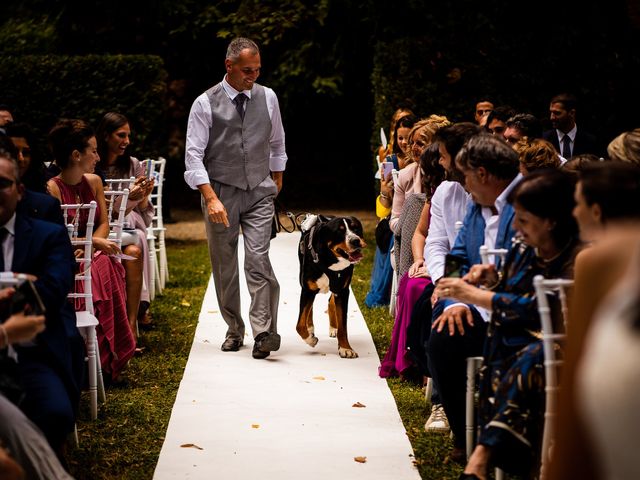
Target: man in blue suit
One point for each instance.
(490, 168)
(43, 252)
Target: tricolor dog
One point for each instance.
(329, 248)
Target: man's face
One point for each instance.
(496, 127)
(560, 117)
(482, 110)
(476, 182)
(512, 135)
(10, 191)
(445, 158)
(5, 117)
(243, 73)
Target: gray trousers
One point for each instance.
(252, 211)
(28, 445)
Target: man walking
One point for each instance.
(235, 156)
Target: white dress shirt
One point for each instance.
(448, 205)
(7, 246)
(199, 126)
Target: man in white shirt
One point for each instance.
(235, 155)
(448, 205)
(490, 168)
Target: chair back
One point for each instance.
(550, 339)
(120, 183)
(117, 206)
(488, 255)
(154, 168)
(72, 212)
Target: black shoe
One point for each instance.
(468, 476)
(265, 343)
(259, 354)
(268, 341)
(231, 345)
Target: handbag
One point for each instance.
(383, 235)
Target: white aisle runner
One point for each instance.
(291, 416)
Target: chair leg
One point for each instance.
(164, 271)
(151, 242)
(470, 427)
(101, 391)
(93, 371)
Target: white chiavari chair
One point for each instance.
(86, 320)
(551, 340)
(156, 231)
(488, 256)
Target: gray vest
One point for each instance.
(238, 151)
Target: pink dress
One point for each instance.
(115, 338)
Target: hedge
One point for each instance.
(42, 88)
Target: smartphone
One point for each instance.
(386, 169)
(27, 295)
(453, 266)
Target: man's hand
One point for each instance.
(21, 327)
(217, 212)
(454, 318)
(277, 178)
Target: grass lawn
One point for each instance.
(126, 439)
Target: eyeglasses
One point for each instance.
(6, 183)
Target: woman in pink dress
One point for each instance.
(74, 147)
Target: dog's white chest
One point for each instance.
(341, 264)
(323, 283)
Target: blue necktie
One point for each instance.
(566, 147)
(239, 101)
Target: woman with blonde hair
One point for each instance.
(626, 147)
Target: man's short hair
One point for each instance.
(237, 45)
(490, 152)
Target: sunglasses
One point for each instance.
(6, 183)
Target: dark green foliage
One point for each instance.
(43, 88)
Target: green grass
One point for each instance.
(126, 439)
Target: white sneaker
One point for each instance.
(437, 421)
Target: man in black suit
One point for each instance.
(565, 136)
(41, 250)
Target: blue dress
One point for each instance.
(511, 400)
(379, 293)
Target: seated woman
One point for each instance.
(382, 274)
(73, 144)
(113, 140)
(608, 214)
(397, 360)
(511, 402)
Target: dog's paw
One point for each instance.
(311, 340)
(347, 353)
(333, 332)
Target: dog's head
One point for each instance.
(345, 238)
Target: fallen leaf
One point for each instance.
(255, 425)
(191, 445)
(319, 377)
(360, 459)
(359, 405)
(184, 303)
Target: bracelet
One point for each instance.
(382, 195)
(497, 283)
(5, 335)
